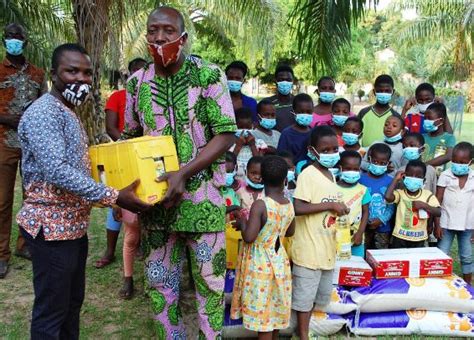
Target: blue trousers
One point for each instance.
(59, 283)
(464, 247)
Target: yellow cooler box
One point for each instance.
(118, 164)
(232, 244)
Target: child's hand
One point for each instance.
(250, 140)
(417, 205)
(409, 104)
(357, 239)
(340, 208)
(399, 175)
(438, 232)
(240, 141)
(374, 224)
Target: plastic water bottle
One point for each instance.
(343, 238)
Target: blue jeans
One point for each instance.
(464, 247)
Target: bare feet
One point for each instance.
(127, 290)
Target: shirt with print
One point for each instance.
(414, 122)
(408, 224)
(378, 207)
(192, 106)
(432, 141)
(457, 211)
(284, 113)
(374, 123)
(269, 140)
(19, 87)
(116, 103)
(314, 241)
(354, 198)
(59, 190)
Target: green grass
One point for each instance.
(467, 129)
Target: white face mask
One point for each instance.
(423, 107)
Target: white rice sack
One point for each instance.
(413, 322)
(229, 285)
(320, 324)
(444, 294)
(341, 302)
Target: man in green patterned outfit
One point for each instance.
(187, 98)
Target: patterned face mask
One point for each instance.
(76, 93)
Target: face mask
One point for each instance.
(327, 97)
(14, 46)
(335, 172)
(76, 93)
(290, 176)
(413, 184)
(377, 170)
(267, 123)
(311, 156)
(393, 139)
(328, 160)
(241, 132)
(257, 186)
(234, 85)
(339, 120)
(383, 98)
(350, 177)
(411, 153)
(303, 119)
(350, 138)
(459, 169)
(430, 125)
(168, 53)
(229, 178)
(284, 87)
(423, 107)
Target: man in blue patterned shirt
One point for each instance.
(59, 193)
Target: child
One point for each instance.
(253, 189)
(131, 241)
(231, 184)
(379, 226)
(393, 131)
(295, 137)
(262, 289)
(313, 249)
(291, 177)
(265, 127)
(236, 72)
(341, 109)
(424, 97)
(245, 145)
(413, 148)
(356, 197)
(374, 116)
(436, 137)
(351, 134)
(456, 194)
(414, 206)
(326, 92)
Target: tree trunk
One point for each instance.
(91, 19)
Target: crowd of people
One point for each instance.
(401, 179)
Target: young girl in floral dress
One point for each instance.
(262, 290)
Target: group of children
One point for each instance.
(318, 169)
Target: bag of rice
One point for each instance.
(341, 302)
(418, 322)
(444, 294)
(229, 285)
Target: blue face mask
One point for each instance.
(284, 87)
(328, 160)
(268, 123)
(304, 119)
(413, 184)
(383, 98)
(459, 169)
(290, 176)
(256, 186)
(430, 125)
(335, 172)
(393, 139)
(411, 153)
(377, 170)
(350, 138)
(350, 177)
(339, 120)
(234, 85)
(241, 132)
(327, 97)
(14, 46)
(229, 178)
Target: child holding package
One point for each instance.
(313, 250)
(379, 227)
(356, 197)
(262, 289)
(456, 194)
(414, 206)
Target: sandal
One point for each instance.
(103, 262)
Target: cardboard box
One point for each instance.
(413, 263)
(354, 272)
(118, 164)
(233, 239)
